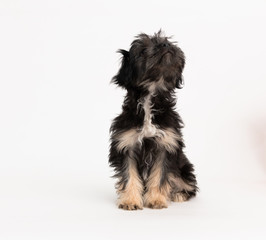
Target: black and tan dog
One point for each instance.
(146, 141)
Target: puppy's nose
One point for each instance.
(165, 45)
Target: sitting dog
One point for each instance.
(146, 148)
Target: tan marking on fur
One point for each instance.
(180, 184)
(126, 139)
(152, 86)
(169, 140)
(157, 195)
(131, 197)
(179, 197)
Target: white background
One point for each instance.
(56, 105)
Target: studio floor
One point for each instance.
(76, 207)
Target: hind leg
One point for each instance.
(182, 192)
(184, 185)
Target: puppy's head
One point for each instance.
(152, 61)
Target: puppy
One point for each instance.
(146, 148)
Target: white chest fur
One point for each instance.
(149, 129)
(167, 137)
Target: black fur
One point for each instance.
(150, 59)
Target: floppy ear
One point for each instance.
(179, 79)
(124, 75)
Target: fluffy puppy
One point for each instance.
(146, 148)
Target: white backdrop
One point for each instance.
(56, 105)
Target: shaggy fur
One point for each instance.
(146, 149)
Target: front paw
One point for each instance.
(156, 204)
(130, 205)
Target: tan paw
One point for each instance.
(157, 204)
(130, 206)
(179, 197)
